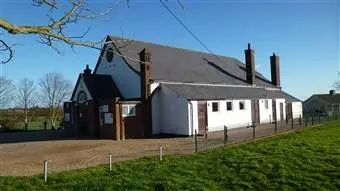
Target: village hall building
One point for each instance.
(140, 89)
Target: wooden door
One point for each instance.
(83, 119)
(255, 111)
(281, 112)
(274, 110)
(202, 118)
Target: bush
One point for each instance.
(8, 124)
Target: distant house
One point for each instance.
(323, 104)
(140, 89)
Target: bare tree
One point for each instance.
(6, 91)
(55, 89)
(26, 97)
(60, 16)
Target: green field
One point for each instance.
(308, 159)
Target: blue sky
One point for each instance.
(304, 33)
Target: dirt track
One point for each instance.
(21, 159)
(26, 158)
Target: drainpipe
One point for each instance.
(192, 117)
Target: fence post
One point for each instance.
(196, 141)
(206, 132)
(45, 125)
(300, 120)
(160, 153)
(292, 123)
(26, 126)
(319, 118)
(312, 120)
(110, 161)
(225, 135)
(254, 135)
(45, 170)
(306, 121)
(275, 126)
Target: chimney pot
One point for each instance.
(275, 69)
(250, 65)
(145, 73)
(87, 70)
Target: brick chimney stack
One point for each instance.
(145, 73)
(250, 65)
(87, 70)
(275, 69)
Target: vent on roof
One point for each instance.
(331, 92)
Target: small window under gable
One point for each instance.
(129, 110)
(229, 106)
(215, 106)
(242, 105)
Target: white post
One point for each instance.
(45, 170)
(160, 153)
(110, 161)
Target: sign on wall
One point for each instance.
(108, 119)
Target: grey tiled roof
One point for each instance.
(206, 92)
(335, 98)
(101, 86)
(181, 65)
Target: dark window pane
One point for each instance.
(214, 106)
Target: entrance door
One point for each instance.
(202, 117)
(83, 119)
(274, 110)
(255, 111)
(281, 112)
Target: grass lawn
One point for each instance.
(304, 160)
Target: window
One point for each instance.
(266, 104)
(81, 97)
(128, 110)
(109, 54)
(214, 106)
(242, 105)
(229, 106)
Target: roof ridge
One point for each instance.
(173, 47)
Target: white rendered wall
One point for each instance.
(193, 117)
(170, 113)
(266, 115)
(297, 109)
(127, 80)
(81, 87)
(156, 113)
(278, 101)
(232, 119)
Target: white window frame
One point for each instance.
(218, 106)
(130, 107)
(231, 105)
(244, 105)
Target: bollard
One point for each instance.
(254, 135)
(160, 153)
(110, 161)
(45, 170)
(225, 135)
(196, 149)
